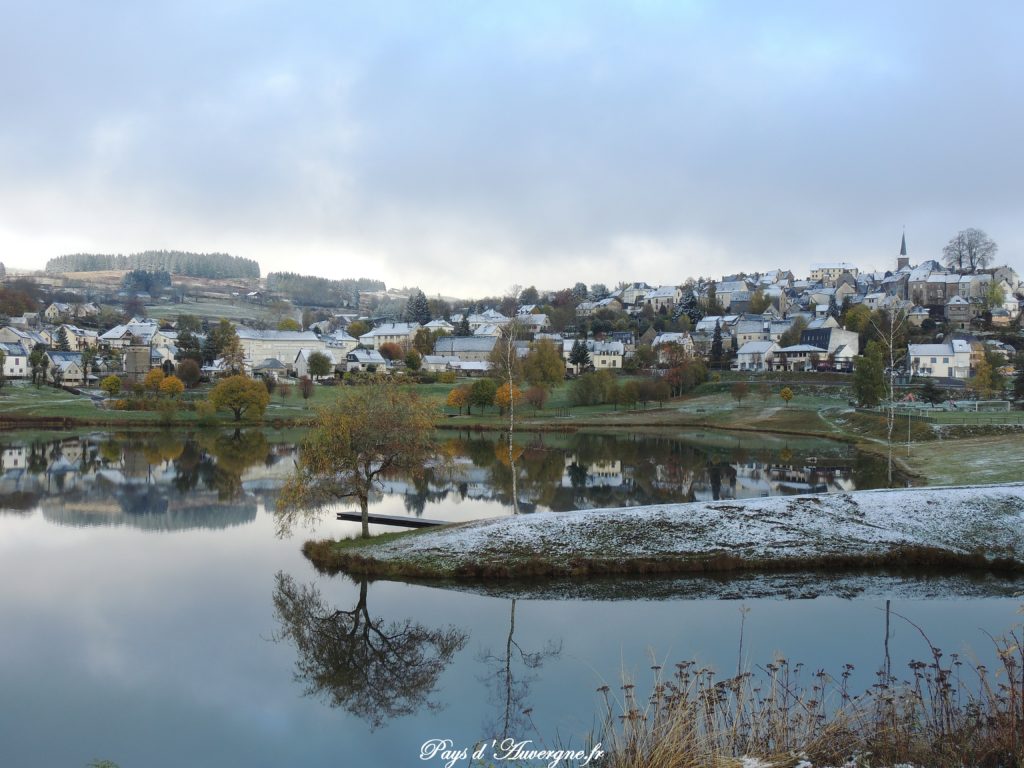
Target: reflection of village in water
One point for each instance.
(175, 481)
(155, 482)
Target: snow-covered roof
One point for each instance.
(757, 348)
(392, 329)
(804, 349)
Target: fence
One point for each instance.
(962, 418)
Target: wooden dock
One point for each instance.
(405, 522)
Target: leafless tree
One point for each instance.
(969, 250)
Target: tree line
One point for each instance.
(319, 291)
(209, 265)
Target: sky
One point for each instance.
(470, 147)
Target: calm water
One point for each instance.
(146, 608)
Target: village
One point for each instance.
(944, 324)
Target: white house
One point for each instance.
(390, 333)
(663, 296)
(951, 360)
(121, 336)
(365, 360)
(340, 342)
(67, 366)
(755, 356)
(663, 341)
(15, 360)
(301, 363)
(604, 355)
(282, 345)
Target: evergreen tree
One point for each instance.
(833, 307)
(579, 356)
(690, 307)
(716, 343)
(417, 310)
(63, 344)
(462, 329)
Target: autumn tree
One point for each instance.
(390, 351)
(739, 390)
(240, 395)
(289, 324)
(969, 250)
(536, 396)
(357, 328)
(458, 398)
(786, 394)
(507, 395)
(111, 385)
(506, 364)
(306, 387)
(171, 387)
(189, 373)
(153, 380)
(376, 429)
(543, 366)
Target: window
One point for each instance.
(933, 360)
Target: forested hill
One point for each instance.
(320, 291)
(212, 265)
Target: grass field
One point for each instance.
(974, 460)
(209, 310)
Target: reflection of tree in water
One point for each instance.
(373, 670)
(508, 680)
(234, 453)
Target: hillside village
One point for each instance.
(944, 322)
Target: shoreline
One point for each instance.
(961, 528)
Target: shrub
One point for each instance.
(446, 377)
(537, 397)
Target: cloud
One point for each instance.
(468, 148)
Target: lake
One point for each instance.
(151, 617)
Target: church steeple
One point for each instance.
(902, 260)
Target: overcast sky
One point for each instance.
(467, 147)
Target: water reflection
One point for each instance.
(177, 480)
(510, 673)
(162, 481)
(374, 670)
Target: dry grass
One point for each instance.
(942, 713)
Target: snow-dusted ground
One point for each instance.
(970, 519)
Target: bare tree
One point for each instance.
(376, 670)
(889, 327)
(969, 250)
